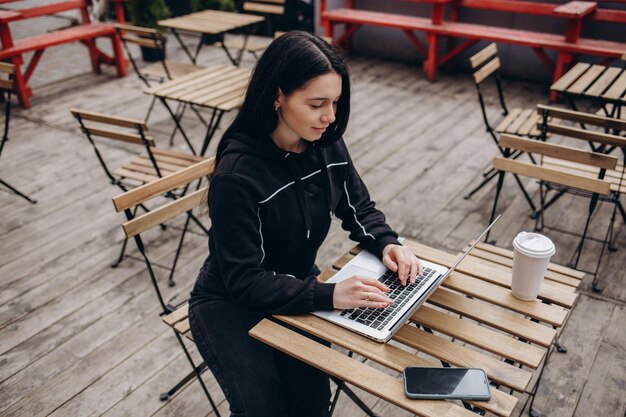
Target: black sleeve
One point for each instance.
(238, 241)
(360, 216)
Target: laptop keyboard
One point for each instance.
(378, 318)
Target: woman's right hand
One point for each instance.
(360, 291)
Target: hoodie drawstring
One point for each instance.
(302, 201)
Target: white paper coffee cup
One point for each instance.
(531, 256)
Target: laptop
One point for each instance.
(380, 324)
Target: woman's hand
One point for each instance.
(400, 259)
(359, 291)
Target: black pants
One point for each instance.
(257, 380)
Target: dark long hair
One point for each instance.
(289, 63)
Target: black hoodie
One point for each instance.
(270, 212)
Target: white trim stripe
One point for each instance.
(258, 213)
(345, 187)
(303, 178)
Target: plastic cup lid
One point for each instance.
(534, 245)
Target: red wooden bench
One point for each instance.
(436, 27)
(86, 33)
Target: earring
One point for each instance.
(276, 106)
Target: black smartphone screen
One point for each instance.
(448, 382)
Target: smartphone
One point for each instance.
(446, 383)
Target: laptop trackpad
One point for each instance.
(351, 270)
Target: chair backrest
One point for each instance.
(173, 207)
(144, 37)
(568, 179)
(275, 7)
(124, 129)
(6, 76)
(140, 195)
(486, 64)
(606, 123)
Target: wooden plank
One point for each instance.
(163, 185)
(164, 213)
(134, 175)
(507, 263)
(119, 135)
(386, 354)
(570, 77)
(263, 8)
(558, 151)
(493, 316)
(585, 81)
(589, 135)
(609, 402)
(528, 128)
(603, 82)
(457, 355)
(552, 266)
(617, 89)
(479, 336)
(519, 121)
(478, 58)
(352, 371)
(551, 175)
(109, 119)
(6, 68)
(582, 117)
(508, 119)
(6, 84)
(550, 291)
(177, 155)
(582, 336)
(487, 70)
(177, 315)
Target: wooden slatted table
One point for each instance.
(212, 22)
(605, 84)
(219, 88)
(472, 320)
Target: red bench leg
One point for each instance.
(430, 65)
(120, 60)
(94, 55)
(24, 92)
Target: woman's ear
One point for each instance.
(280, 98)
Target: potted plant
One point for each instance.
(147, 13)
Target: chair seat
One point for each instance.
(140, 168)
(176, 69)
(520, 122)
(255, 44)
(616, 177)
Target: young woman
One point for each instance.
(283, 171)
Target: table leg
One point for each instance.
(214, 123)
(178, 125)
(182, 44)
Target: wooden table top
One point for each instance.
(211, 22)
(220, 87)
(472, 320)
(593, 81)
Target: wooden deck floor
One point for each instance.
(78, 338)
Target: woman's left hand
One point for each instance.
(400, 259)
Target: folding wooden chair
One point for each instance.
(135, 226)
(586, 185)
(144, 167)
(6, 89)
(160, 71)
(267, 8)
(600, 141)
(521, 122)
